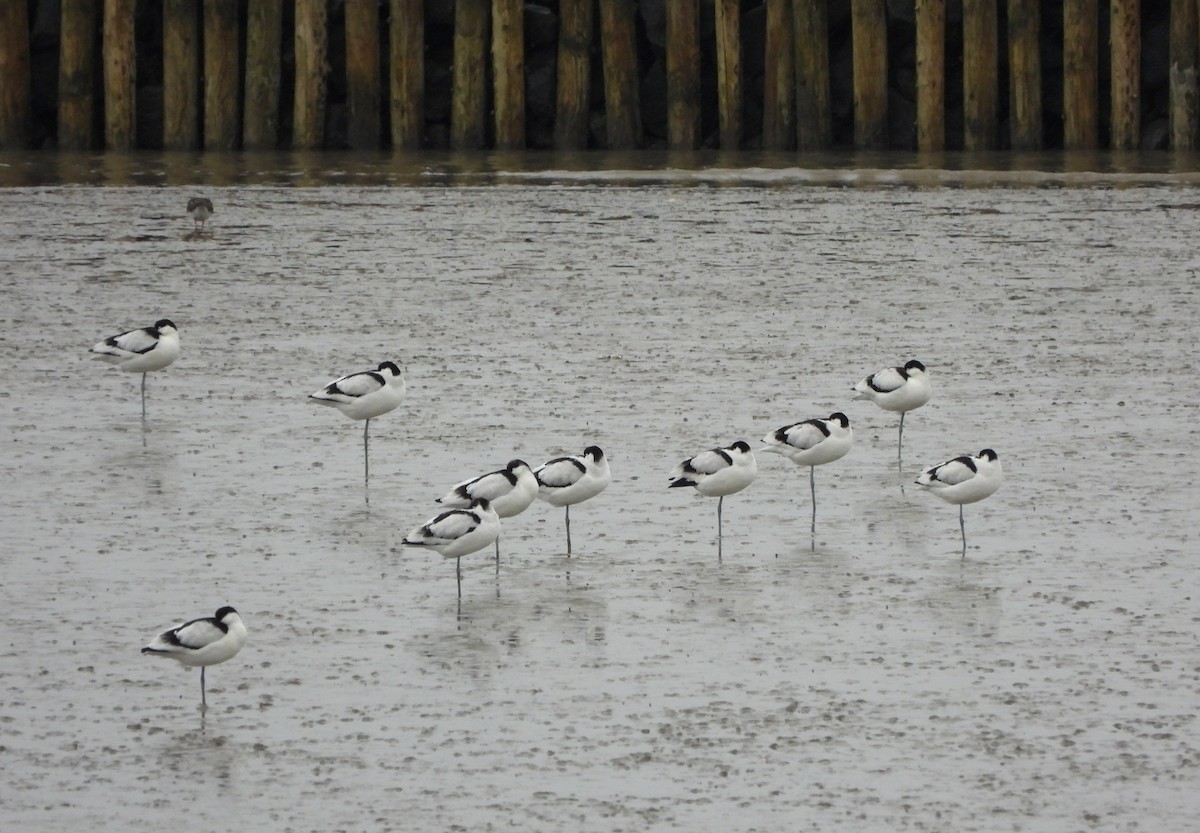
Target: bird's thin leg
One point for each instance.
(143, 396)
(720, 500)
(568, 530)
(458, 575)
(900, 439)
(497, 555)
(962, 526)
(366, 453)
(812, 485)
(203, 700)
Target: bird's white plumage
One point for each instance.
(965, 479)
(718, 471)
(143, 350)
(458, 532)
(565, 481)
(812, 442)
(364, 395)
(202, 642)
(510, 490)
(896, 388)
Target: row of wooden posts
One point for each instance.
(203, 108)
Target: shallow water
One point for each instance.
(868, 680)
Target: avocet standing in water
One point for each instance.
(812, 443)
(964, 480)
(717, 473)
(364, 395)
(897, 389)
(141, 351)
(201, 208)
(510, 491)
(564, 481)
(202, 642)
(458, 532)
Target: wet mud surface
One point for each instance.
(867, 678)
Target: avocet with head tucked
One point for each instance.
(897, 389)
(364, 395)
(458, 532)
(202, 642)
(812, 443)
(141, 351)
(510, 491)
(565, 481)
(717, 473)
(964, 480)
(201, 208)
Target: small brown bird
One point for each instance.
(201, 209)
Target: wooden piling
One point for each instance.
(814, 116)
(931, 75)
(779, 78)
(308, 106)
(14, 76)
(120, 75)
(407, 69)
(980, 68)
(1125, 82)
(683, 74)
(1081, 109)
(221, 81)
(1024, 74)
(623, 120)
(264, 43)
(469, 94)
(508, 73)
(181, 75)
(363, 128)
(576, 18)
(1185, 108)
(868, 21)
(729, 73)
(76, 82)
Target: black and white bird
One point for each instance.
(364, 395)
(141, 351)
(964, 480)
(812, 443)
(565, 481)
(201, 208)
(509, 490)
(717, 473)
(899, 389)
(458, 532)
(202, 642)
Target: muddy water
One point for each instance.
(865, 679)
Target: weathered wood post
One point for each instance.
(181, 74)
(1125, 27)
(683, 74)
(1184, 89)
(508, 72)
(221, 82)
(363, 128)
(1081, 90)
(308, 105)
(576, 18)
(407, 94)
(14, 75)
(868, 21)
(931, 75)
(120, 75)
(1126, 81)
(779, 78)
(76, 83)
(623, 120)
(729, 73)
(980, 69)
(1024, 74)
(469, 95)
(814, 115)
(264, 42)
